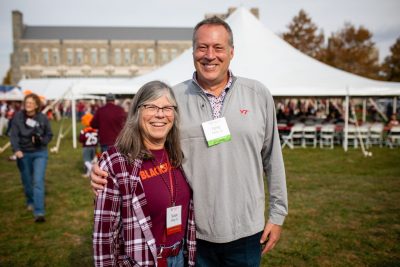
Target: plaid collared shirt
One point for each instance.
(122, 225)
(216, 102)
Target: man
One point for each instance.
(230, 138)
(108, 120)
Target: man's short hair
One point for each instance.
(213, 21)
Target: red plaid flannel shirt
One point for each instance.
(122, 226)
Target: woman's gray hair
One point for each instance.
(130, 142)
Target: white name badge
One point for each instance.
(174, 220)
(216, 131)
(30, 122)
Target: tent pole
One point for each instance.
(378, 109)
(73, 109)
(327, 107)
(394, 105)
(364, 114)
(346, 121)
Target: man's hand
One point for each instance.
(98, 178)
(271, 235)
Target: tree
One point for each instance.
(391, 65)
(303, 35)
(352, 50)
(7, 78)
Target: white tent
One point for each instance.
(68, 88)
(13, 94)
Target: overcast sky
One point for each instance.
(381, 17)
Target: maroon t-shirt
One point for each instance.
(157, 188)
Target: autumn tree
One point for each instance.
(352, 50)
(391, 64)
(7, 78)
(303, 35)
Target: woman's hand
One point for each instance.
(19, 154)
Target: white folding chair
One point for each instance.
(363, 134)
(309, 136)
(327, 135)
(294, 137)
(376, 134)
(351, 136)
(393, 138)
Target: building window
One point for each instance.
(174, 53)
(140, 57)
(55, 56)
(45, 53)
(70, 57)
(150, 56)
(26, 56)
(103, 57)
(127, 57)
(164, 56)
(93, 56)
(79, 57)
(117, 57)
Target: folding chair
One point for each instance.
(376, 134)
(294, 137)
(351, 136)
(393, 138)
(363, 134)
(309, 136)
(327, 135)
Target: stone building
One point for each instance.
(49, 51)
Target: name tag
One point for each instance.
(174, 220)
(30, 122)
(216, 131)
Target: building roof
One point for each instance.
(107, 33)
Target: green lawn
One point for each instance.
(343, 211)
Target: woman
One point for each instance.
(30, 134)
(144, 216)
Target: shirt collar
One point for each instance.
(227, 86)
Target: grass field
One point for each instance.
(344, 210)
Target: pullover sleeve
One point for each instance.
(274, 167)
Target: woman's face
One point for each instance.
(156, 120)
(30, 105)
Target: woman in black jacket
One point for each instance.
(30, 134)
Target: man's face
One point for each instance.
(212, 55)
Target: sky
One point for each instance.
(381, 17)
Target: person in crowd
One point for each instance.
(145, 215)
(3, 116)
(393, 121)
(80, 109)
(30, 135)
(230, 140)
(89, 139)
(109, 120)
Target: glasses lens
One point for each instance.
(168, 111)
